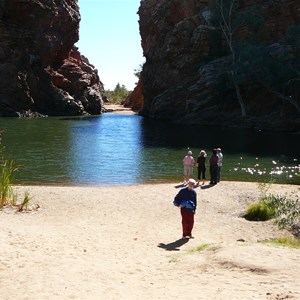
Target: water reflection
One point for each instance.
(129, 149)
(236, 140)
(106, 150)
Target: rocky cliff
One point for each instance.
(41, 71)
(192, 76)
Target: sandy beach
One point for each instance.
(124, 242)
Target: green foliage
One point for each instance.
(7, 173)
(137, 72)
(6, 178)
(118, 95)
(287, 208)
(284, 209)
(260, 210)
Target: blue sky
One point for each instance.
(109, 38)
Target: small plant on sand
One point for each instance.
(264, 186)
(6, 178)
(285, 241)
(199, 248)
(7, 173)
(24, 204)
(260, 210)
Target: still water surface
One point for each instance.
(121, 149)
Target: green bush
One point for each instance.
(261, 210)
(285, 210)
(118, 95)
(6, 178)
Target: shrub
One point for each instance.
(284, 209)
(6, 178)
(287, 209)
(118, 95)
(261, 210)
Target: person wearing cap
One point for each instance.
(213, 167)
(186, 199)
(220, 162)
(188, 164)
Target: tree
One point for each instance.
(118, 94)
(230, 23)
(137, 72)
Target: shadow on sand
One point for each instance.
(174, 246)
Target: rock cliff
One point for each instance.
(191, 75)
(41, 71)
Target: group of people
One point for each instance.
(215, 165)
(186, 198)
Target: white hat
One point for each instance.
(192, 181)
(190, 153)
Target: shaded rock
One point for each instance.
(184, 77)
(41, 71)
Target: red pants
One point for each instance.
(187, 222)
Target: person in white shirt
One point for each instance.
(188, 165)
(220, 162)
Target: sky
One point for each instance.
(109, 37)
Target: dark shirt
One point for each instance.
(213, 161)
(201, 161)
(186, 194)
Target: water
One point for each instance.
(126, 149)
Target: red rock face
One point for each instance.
(41, 72)
(185, 55)
(135, 99)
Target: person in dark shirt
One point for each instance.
(201, 166)
(186, 199)
(213, 167)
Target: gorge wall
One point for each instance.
(41, 71)
(185, 76)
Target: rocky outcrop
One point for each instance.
(183, 78)
(135, 99)
(41, 71)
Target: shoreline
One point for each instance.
(117, 108)
(124, 242)
(150, 182)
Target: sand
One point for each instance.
(124, 242)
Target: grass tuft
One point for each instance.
(260, 210)
(285, 241)
(199, 248)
